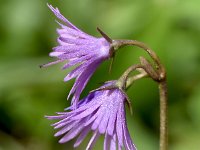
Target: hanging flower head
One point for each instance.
(101, 112)
(79, 49)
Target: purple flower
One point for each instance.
(79, 49)
(102, 112)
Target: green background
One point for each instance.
(27, 93)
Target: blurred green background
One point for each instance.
(27, 93)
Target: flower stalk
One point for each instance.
(134, 78)
(163, 116)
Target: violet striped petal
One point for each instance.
(98, 119)
(75, 61)
(113, 143)
(86, 112)
(92, 118)
(112, 117)
(119, 127)
(66, 128)
(92, 140)
(107, 141)
(82, 136)
(81, 33)
(61, 17)
(72, 133)
(104, 122)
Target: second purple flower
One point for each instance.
(102, 113)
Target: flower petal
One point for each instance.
(82, 136)
(94, 116)
(127, 139)
(119, 126)
(107, 141)
(113, 116)
(92, 140)
(73, 132)
(104, 122)
(76, 61)
(113, 143)
(61, 17)
(77, 71)
(83, 79)
(98, 119)
(66, 128)
(86, 112)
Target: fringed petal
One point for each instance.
(82, 136)
(61, 17)
(112, 117)
(66, 128)
(119, 127)
(73, 132)
(107, 141)
(113, 143)
(92, 141)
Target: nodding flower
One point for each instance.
(78, 49)
(102, 112)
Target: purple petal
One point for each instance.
(68, 32)
(107, 141)
(94, 116)
(113, 115)
(61, 17)
(66, 118)
(66, 129)
(63, 43)
(82, 136)
(113, 143)
(73, 48)
(76, 61)
(119, 127)
(83, 79)
(77, 41)
(99, 118)
(84, 107)
(127, 139)
(92, 140)
(119, 147)
(63, 123)
(86, 112)
(72, 133)
(53, 117)
(52, 63)
(62, 113)
(104, 122)
(77, 54)
(56, 54)
(76, 72)
(81, 33)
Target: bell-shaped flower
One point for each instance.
(102, 112)
(79, 49)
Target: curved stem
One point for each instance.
(132, 79)
(123, 79)
(119, 43)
